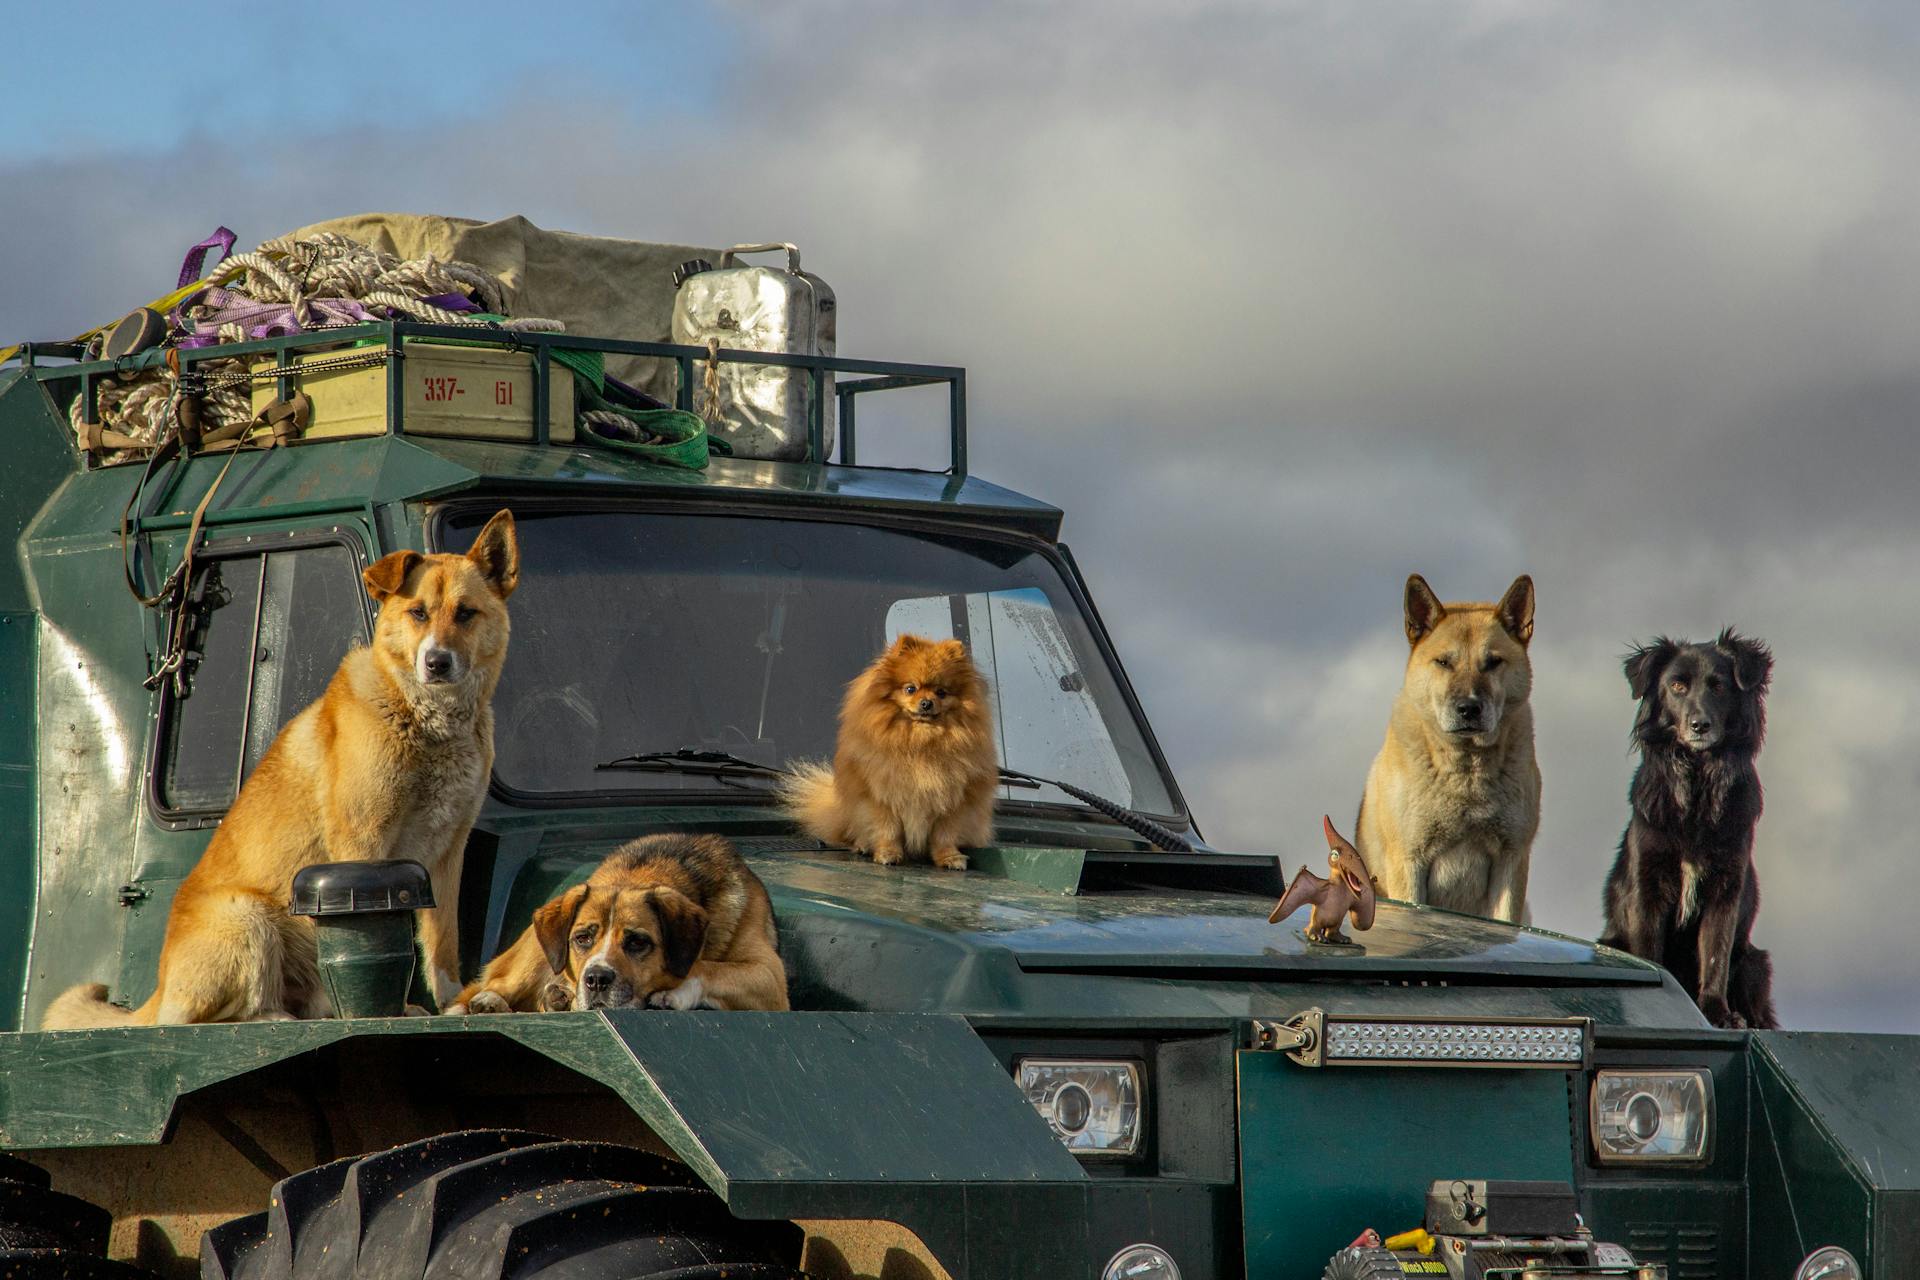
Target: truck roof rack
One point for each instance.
(880, 375)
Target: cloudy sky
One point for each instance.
(1280, 302)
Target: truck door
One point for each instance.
(270, 615)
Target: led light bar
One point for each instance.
(1316, 1038)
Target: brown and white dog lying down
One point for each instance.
(664, 922)
(391, 761)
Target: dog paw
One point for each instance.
(889, 855)
(688, 995)
(1721, 1015)
(950, 859)
(557, 998)
(454, 1010)
(488, 1002)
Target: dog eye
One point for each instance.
(583, 938)
(913, 689)
(1492, 663)
(941, 692)
(1679, 686)
(418, 613)
(1445, 664)
(637, 944)
(464, 614)
(1713, 682)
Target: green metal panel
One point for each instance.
(1327, 1152)
(847, 1098)
(93, 718)
(1836, 1158)
(19, 820)
(1846, 1081)
(818, 1083)
(580, 470)
(1055, 870)
(1692, 1218)
(40, 454)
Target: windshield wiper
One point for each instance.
(726, 767)
(1152, 832)
(693, 760)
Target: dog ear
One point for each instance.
(1515, 609)
(1752, 661)
(683, 928)
(1644, 665)
(385, 576)
(553, 922)
(908, 642)
(496, 554)
(1423, 608)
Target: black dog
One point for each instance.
(1682, 892)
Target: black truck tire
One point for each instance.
(491, 1203)
(1363, 1264)
(44, 1232)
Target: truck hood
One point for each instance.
(1165, 933)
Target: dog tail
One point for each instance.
(810, 799)
(86, 1006)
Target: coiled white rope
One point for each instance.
(301, 276)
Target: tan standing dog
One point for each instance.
(391, 762)
(1452, 802)
(664, 922)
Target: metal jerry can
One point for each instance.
(761, 410)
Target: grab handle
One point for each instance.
(793, 253)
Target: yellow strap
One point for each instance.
(163, 304)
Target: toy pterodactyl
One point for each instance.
(1348, 892)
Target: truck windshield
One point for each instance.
(638, 631)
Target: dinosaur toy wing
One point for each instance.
(1304, 890)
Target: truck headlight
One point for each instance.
(1830, 1263)
(1095, 1108)
(1141, 1262)
(1651, 1116)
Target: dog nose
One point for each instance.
(1467, 708)
(439, 662)
(1699, 726)
(597, 977)
(926, 705)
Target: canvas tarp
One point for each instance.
(595, 285)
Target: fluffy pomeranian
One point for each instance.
(915, 768)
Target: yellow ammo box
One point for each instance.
(483, 393)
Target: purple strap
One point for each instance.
(222, 239)
(217, 306)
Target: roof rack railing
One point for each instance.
(881, 375)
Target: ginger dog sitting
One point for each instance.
(916, 769)
(391, 761)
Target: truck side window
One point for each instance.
(266, 633)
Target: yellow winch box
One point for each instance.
(481, 393)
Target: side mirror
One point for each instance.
(363, 928)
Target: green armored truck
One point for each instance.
(1088, 1056)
